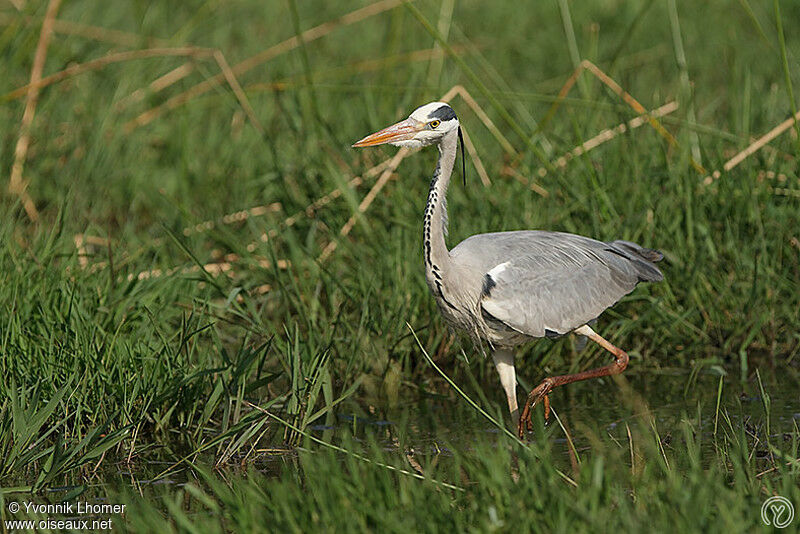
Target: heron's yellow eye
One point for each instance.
(434, 124)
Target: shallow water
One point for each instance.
(433, 424)
(603, 405)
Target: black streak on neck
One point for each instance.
(433, 197)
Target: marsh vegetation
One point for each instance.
(211, 315)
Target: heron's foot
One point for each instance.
(539, 393)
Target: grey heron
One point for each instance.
(507, 288)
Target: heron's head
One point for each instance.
(427, 125)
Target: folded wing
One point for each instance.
(552, 283)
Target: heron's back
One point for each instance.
(539, 283)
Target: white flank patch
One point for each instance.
(497, 269)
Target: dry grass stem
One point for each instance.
(367, 202)
(484, 118)
(214, 269)
(783, 191)
(159, 84)
(99, 63)
(95, 33)
(772, 175)
(223, 266)
(81, 240)
(508, 170)
(253, 61)
(619, 91)
(17, 185)
(611, 133)
(83, 260)
(319, 203)
(754, 147)
(231, 218)
(230, 77)
(349, 70)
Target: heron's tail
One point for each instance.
(644, 258)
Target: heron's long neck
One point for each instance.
(437, 258)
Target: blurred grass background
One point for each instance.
(117, 348)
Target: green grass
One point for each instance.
(107, 371)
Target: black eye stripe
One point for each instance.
(444, 113)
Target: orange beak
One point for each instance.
(402, 131)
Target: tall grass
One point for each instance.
(675, 491)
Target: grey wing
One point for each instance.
(564, 283)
